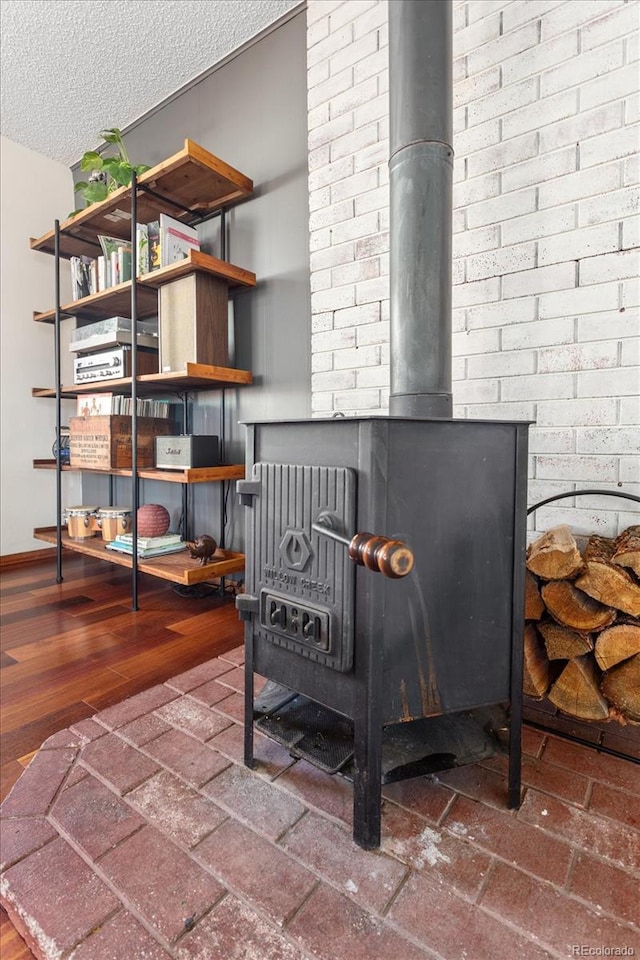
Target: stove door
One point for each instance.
(300, 583)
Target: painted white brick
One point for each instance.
(373, 65)
(619, 22)
(501, 262)
(510, 44)
(539, 333)
(601, 469)
(374, 376)
(539, 224)
(319, 157)
(576, 186)
(372, 156)
(317, 74)
(582, 69)
(327, 216)
(458, 320)
(332, 299)
(352, 96)
(630, 410)
(321, 322)
(539, 58)
(592, 299)
(459, 120)
(551, 441)
(321, 403)
(329, 88)
(370, 246)
(353, 53)
(320, 280)
(471, 242)
(608, 440)
(480, 9)
(354, 316)
(630, 470)
(316, 9)
(604, 147)
(354, 185)
(558, 276)
(480, 137)
(586, 242)
(629, 294)
(331, 173)
(515, 97)
(517, 13)
(334, 380)
(501, 411)
(611, 86)
(355, 272)
(477, 34)
(578, 357)
(545, 386)
(632, 108)
(373, 333)
(607, 383)
(356, 357)
(459, 220)
(501, 156)
(480, 188)
(371, 19)
(329, 131)
(550, 166)
(321, 362)
(319, 198)
(519, 311)
(472, 88)
(458, 369)
(318, 116)
(540, 114)
(459, 271)
(483, 291)
(611, 206)
(338, 40)
(631, 170)
(357, 401)
(501, 208)
(510, 363)
(348, 12)
(581, 128)
(569, 15)
(596, 412)
(319, 239)
(372, 290)
(459, 71)
(353, 141)
(476, 341)
(332, 256)
(630, 354)
(377, 199)
(582, 520)
(476, 391)
(356, 227)
(612, 266)
(612, 325)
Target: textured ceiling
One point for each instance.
(73, 67)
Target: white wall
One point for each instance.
(546, 257)
(33, 192)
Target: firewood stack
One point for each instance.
(582, 632)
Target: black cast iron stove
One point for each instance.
(385, 555)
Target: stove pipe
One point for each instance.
(420, 182)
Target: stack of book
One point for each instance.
(148, 546)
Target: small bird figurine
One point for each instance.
(203, 548)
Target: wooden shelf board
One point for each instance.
(176, 567)
(199, 262)
(194, 376)
(233, 471)
(192, 178)
(112, 302)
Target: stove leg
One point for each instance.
(248, 702)
(367, 783)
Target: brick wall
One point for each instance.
(546, 246)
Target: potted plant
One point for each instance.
(107, 173)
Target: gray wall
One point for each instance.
(252, 113)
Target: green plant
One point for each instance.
(107, 172)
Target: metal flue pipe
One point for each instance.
(420, 181)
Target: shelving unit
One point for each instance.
(190, 186)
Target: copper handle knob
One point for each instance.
(392, 558)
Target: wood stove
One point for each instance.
(392, 674)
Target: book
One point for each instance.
(169, 539)
(80, 277)
(176, 240)
(142, 248)
(153, 237)
(146, 553)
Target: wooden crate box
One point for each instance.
(104, 442)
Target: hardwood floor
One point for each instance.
(70, 649)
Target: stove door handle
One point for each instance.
(392, 558)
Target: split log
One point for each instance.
(621, 686)
(616, 644)
(554, 555)
(611, 585)
(563, 643)
(627, 549)
(537, 675)
(577, 691)
(573, 608)
(533, 605)
(599, 548)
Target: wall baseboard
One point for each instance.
(29, 556)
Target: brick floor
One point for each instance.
(140, 835)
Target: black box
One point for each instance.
(187, 451)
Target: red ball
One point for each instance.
(153, 520)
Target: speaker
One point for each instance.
(193, 322)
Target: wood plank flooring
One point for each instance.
(70, 649)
